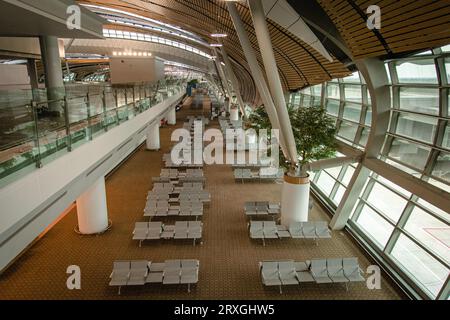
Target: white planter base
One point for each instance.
(294, 200)
(92, 209)
(153, 142)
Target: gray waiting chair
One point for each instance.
(319, 271)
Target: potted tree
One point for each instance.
(314, 133)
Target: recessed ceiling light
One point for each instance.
(219, 35)
(215, 44)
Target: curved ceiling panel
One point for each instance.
(298, 63)
(406, 25)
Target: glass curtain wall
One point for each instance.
(410, 235)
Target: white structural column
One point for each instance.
(53, 71)
(222, 76)
(295, 191)
(234, 81)
(172, 117)
(376, 77)
(153, 142)
(92, 209)
(257, 75)
(273, 77)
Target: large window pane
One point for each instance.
(418, 71)
(416, 126)
(352, 111)
(348, 175)
(333, 91)
(431, 232)
(297, 99)
(375, 226)
(348, 130)
(447, 67)
(354, 78)
(364, 136)
(423, 100)
(407, 152)
(325, 183)
(442, 167)
(353, 93)
(368, 120)
(386, 66)
(334, 172)
(446, 141)
(436, 210)
(393, 186)
(306, 100)
(333, 107)
(317, 90)
(339, 194)
(389, 203)
(421, 266)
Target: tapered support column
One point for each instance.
(234, 114)
(294, 200)
(92, 209)
(234, 81)
(222, 74)
(172, 117)
(53, 71)
(273, 77)
(153, 142)
(255, 70)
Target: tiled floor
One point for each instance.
(228, 258)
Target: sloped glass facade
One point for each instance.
(409, 235)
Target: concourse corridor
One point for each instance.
(228, 257)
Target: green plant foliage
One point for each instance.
(192, 82)
(314, 132)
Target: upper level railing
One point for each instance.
(35, 130)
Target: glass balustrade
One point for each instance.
(34, 131)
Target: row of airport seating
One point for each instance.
(182, 230)
(142, 272)
(261, 208)
(314, 230)
(263, 174)
(319, 271)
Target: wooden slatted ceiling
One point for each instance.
(406, 25)
(299, 65)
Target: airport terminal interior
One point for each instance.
(214, 149)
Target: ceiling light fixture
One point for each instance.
(219, 35)
(215, 44)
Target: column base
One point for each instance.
(77, 230)
(295, 199)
